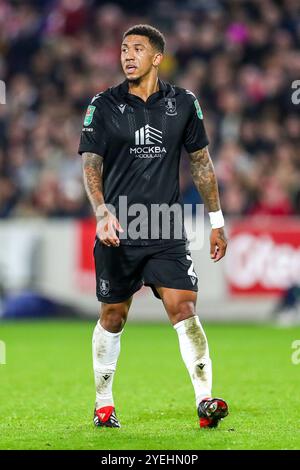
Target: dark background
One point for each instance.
(239, 57)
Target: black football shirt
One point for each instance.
(141, 144)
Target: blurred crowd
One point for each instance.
(240, 58)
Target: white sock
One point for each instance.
(106, 350)
(195, 354)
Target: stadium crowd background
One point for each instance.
(239, 57)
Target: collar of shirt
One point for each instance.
(161, 93)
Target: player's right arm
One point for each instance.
(107, 223)
(92, 147)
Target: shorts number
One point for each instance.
(191, 271)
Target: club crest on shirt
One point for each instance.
(170, 104)
(104, 286)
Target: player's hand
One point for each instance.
(218, 244)
(106, 229)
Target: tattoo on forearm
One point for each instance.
(204, 177)
(92, 175)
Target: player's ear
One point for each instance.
(158, 57)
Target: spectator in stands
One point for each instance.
(240, 58)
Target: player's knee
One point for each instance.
(183, 311)
(113, 317)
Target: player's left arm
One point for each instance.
(205, 180)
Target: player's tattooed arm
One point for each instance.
(92, 176)
(107, 223)
(205, 180)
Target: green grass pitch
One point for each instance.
(47, 389)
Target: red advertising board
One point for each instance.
(263, 255)
(85, 274)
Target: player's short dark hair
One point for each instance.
(156, 38)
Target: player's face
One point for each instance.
(138, 57)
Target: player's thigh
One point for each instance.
(118, 272)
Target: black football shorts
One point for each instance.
(121, 271)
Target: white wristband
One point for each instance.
(216, 219)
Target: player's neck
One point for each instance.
(144, 88)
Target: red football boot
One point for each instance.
(211, 411)
(106, 417)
